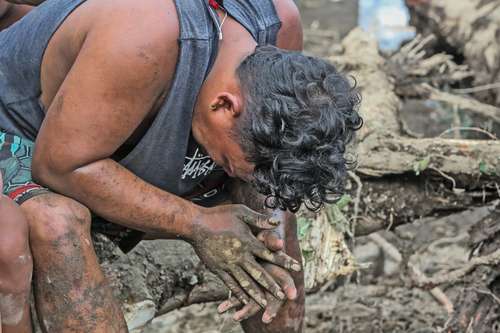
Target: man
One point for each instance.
(140, 110)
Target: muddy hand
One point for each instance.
(247, 310)
(224, 242)
(274, 242)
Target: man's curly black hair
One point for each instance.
(300, 113)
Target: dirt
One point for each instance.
(379, 301)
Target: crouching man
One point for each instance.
(141, 112)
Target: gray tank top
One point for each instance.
(166, 156)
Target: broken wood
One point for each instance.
(472, 29)
(471, 105)
(478, 305)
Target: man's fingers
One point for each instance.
(248, 285)
(249, 310)
(256, 219)
(271, 239)
(263, 278)
(236, 290)
(279, 258)
(273, 306)
(284, 279)
(231, 303)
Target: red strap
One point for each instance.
(23, 189)
(214, 4)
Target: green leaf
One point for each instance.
(303, 226)
(421, 165)
(488, 170)
(483, 168)
(308, 254)
(343, 201)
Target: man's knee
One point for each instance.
(53, 216)
(15, 258)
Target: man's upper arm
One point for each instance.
(290, 36)
(118, 75)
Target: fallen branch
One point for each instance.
(470, 27)
(472, 129)
(460, 159)
(454, 276)
(412, 65)
(471, 105)
(394, 253)
(472, 90)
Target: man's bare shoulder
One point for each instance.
(147, 19)
(136, 40)
(290, 34)
(148, 28)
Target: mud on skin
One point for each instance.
(226, 245)
(71, 293)
(70, 303)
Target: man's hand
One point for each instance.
(225, 243)
(274, 304)
(274, 242)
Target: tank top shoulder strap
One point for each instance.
(193, 20)
(259, 17)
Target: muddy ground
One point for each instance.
(379, 298)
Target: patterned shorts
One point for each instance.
(16, 155)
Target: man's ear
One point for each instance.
(227, 102)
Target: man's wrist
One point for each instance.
(192, 219)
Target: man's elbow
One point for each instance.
(46, 172)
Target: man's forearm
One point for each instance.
(116, 194)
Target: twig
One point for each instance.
(454, 183)
(325, 287)
(454, 276)
(473, 129)
(394, 253)
(471, 90)
(391, 221)
(487, 292)
(485, 110)
(359, 184)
